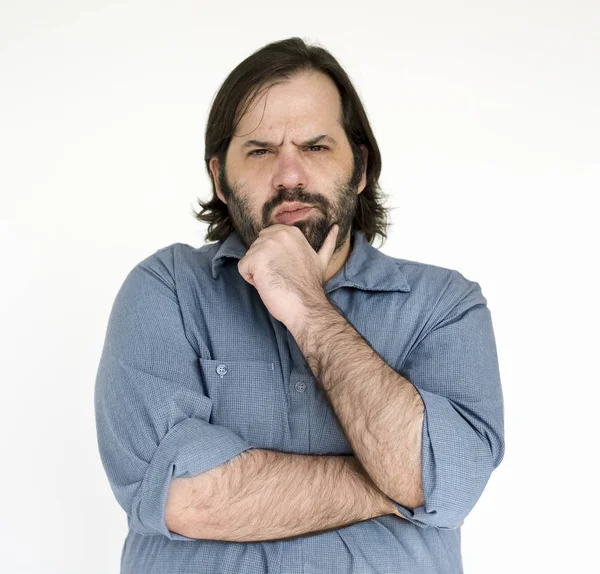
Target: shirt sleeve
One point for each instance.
(454, 367)
(151, 412)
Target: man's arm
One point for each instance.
(269, 495)
(431, 439)
(380, 411)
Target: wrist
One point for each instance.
(312, 311)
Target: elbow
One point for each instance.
(176, 511)
(181, 509)
(450, 503)
(188, 511)
(446, 496)
(410, 496)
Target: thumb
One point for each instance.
(328, 247)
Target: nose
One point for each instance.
(290, 171)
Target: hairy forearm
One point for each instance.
(380, 412)
(269, 495)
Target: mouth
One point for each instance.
(288, 217)
(291, 211)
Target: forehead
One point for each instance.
(298, 107)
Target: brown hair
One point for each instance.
(271, 64)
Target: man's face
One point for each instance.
(271, 160)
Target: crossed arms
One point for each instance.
(263, 495)
(270, 495)
(425, 441)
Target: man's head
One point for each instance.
(287, 125)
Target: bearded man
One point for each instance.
(287, 398)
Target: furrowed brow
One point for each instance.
(324, 138)
(313, 141)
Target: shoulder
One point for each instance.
(439, 287)
(418, 272)
(178, 261)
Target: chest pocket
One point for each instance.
(247, 396)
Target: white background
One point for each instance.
(487, 116)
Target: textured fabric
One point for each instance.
(194, 370)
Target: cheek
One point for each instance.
(251, 200)
(254, 179)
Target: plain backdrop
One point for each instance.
(487, 116)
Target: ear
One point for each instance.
(363, 181)
(213, 164)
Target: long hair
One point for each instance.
(273, 63)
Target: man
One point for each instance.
(289, 398)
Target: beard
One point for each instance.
(315, 226)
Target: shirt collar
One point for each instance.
(366, 268)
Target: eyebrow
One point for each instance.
(259, 143)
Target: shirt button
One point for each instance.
(300, 386)
(221, 370)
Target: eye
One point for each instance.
(258, 152)
(255, 152)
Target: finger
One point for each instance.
(328, 247)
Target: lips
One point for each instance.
(291, 211)
(288, 217)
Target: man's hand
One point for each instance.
(286, 271)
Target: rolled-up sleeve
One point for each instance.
(152, 416)
(455, 369)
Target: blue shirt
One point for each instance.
(194, 370)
